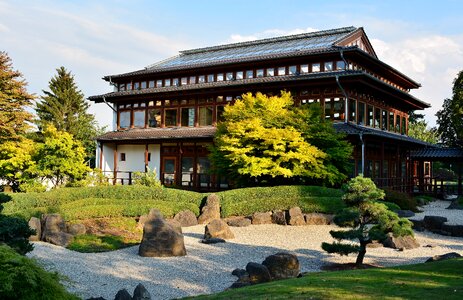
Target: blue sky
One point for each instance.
(423, 39)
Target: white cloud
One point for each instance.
(236, 38)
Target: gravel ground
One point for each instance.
(439, 208)
(207, 268)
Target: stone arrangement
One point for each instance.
(53, 229)
(140, 293)
(437, 224)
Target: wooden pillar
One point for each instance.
(100, 163)
(115, 165)
(421, 175)
(146, 157)
(460, 170)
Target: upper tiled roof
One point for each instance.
(352, 129)
(436, 153)
(158, 134)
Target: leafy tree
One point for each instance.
(368, 219)
(60, 158)
(257, 143)
(450, 118)
(16, 163)
(65, 107)
(13, 101)
(419, 129)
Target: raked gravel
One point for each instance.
(439, 208)
(207, 268)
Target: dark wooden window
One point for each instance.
(122, 156)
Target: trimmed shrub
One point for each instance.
(15, 233)
(23, 278)
(403, 200)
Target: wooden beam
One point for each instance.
(115, 165)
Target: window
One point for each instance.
(377, 117)
(143, 84)
(328, 66)
(136, 86)
(175, 82)
(159, 83)
(184, 81)
(170, 118)
(154, 117)
(281, 71)
(292, 70)
(249, 74)
(239, 75)
(370, 116)
(361, 114)
(398, 123)
(192, 79)
(166, 82)
(124, 119)
(328, 108)
(229, 76)
(229, 98)
(270, 72)
(403, 128)
(129, 86)
(151, 84)
(121, 87)
(205, 115)
(122, 157)
(304, 69)
(201, 79)
(220, 109)
(220, 77)
(316, 67)
(391, 121)
(340, 65)
(385, 169)
(352, 110)
(260, 73)
(384, 120)
(139, 118)
(338, 109)
(149, 156)
(188, 117)
(210, 78)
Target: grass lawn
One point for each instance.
(437, 280)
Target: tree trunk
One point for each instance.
(362, 252)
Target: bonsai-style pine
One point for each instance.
(367, 218)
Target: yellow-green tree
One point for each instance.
(258, 143)
(60, 158)
(16, 162)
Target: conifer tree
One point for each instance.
(65, 107)
(14, 99)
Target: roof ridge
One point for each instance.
(273, 39)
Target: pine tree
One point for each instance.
(65, 107)
(14, 99)
(368, 219)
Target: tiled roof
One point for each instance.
(352, 129)
(158, 134)
(430, 153)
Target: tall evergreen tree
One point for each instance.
(65, 107)
(13, 101)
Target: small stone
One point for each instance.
(218, 229)
(212, 241)
(76, 229)
(62, 239)
(238, 272)
(123, 295)
(318, 219)
(141, 293)
(295, 217)
(405, 242)
(186, 218)
(259, 218)
(257, 273)
(35, 224)
(405, 213)
(282, 265)
(238, 221)
(278, 217)
(434, 222)
(449, 255)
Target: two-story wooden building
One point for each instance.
(165, 114)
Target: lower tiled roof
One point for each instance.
(430, 153)
(352, 129)
(158, 134)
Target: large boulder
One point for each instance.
(401, 242)
(218, 229)
(211, 210)
(62, 239)
(52, 223)
(453, 230)
(295, 217)
(76, 229)
(405, 213)
(434, 222)
(258, 273)
(123, 295)
(238, 221)
(259, 218)
(141, 293)
(444, 257)
(186, 218)
(278, 217)
(35, 224)
(282, 265)
(318, 219)
(160, 239)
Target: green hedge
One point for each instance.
(261, 199)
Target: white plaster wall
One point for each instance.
(107, 163)
(134, 158)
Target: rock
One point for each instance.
(434, 222)
(430, 246)
(141, 293)
(405, 213)
(259, 218)
(282, 265)
(62, 239)
(76, 229)
(418, 225)
(453, 230)
(211, 210)
(444, 257)
(186, 218)
(218, 229)
(405, 242)
(160, 239)
(212, 241)
(318, 219)
(142, 221)
(238, 221)
(257, 273)
(96, 298)
(295, 217)
(35, 224)
(123, 295)
(175, 224)
(455, 205)
(278, 217)
(52, 223)
(239, 272)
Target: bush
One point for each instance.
(23, 278)
(15, 232)
(246, 201)
(445, 174)
(148, 178)
(403, 200)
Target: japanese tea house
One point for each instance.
(165, 114)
